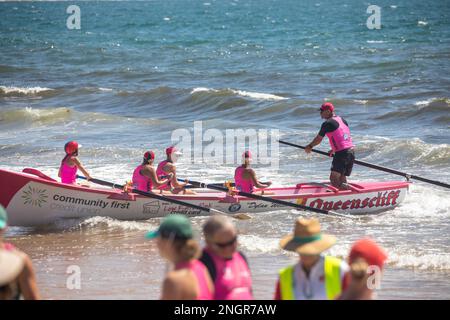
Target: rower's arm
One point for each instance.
(256, 182)
(317, 140)
(80, 166)
(151, 173)
(174, 181)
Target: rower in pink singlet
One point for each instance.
(70, 164)
(245, 178)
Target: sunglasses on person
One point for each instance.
(226, 244)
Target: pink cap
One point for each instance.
(247, 154)
(369, 251)
(149, 155)
(170, 150)
(327, 106)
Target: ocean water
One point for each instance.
(137, 71)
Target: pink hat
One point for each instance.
(247, 154)
(327, 106)
(149, 155)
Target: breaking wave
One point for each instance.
(22, 92)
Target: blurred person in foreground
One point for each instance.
(315, 276)
(227, 266)
(17, 277)
(189, 279)
(366, 261)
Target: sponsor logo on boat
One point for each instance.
(383, 199)
(234, 207)
(34, 196)
(100, 203)
(151, 207)
(258, 205)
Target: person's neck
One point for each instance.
(358, 290)
(180, 263)
(308, 267)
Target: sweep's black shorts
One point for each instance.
(343, 162)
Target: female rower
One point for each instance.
(144, 176)
(168, 166)
(70, 164)
(245, 177)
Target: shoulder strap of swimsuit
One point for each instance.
(207, 260)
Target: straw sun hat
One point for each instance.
(307, 238)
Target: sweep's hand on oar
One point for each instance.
(374, 166)
(240, 216)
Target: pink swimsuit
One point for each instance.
(161, 173)
(68, 173)
(200, 272)
(141, 182)
(241, 184)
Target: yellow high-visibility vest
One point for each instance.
(332, 271)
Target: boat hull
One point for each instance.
(32, 200)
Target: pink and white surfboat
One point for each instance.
(36, 200)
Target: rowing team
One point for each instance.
(164, 178)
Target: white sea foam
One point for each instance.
(253, 95)
(375, 41)
(118, 224)
(259, 244)
(258, 95)
(23, 90)
(393, 6)
(425, 103)
(203, 89)
(422, 23)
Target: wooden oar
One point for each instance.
(377, 167)
(240, 216)
(268, 199)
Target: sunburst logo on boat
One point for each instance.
(35, 197)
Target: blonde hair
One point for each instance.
(186, 249)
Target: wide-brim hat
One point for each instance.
(11, 264)
(307, 238)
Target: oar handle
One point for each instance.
(377, 167)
